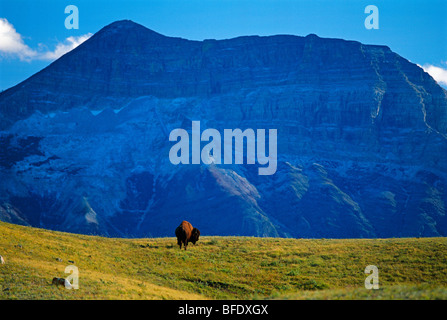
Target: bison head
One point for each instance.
(195, 235)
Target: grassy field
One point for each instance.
(218, 267)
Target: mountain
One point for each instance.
(361, 138)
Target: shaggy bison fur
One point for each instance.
(186, 233)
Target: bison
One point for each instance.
(186, 233)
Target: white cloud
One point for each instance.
(11, 42)
(12, 45)
(62, 48)
(439, 74)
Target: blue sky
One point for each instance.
(33, 34)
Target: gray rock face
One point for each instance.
(362, 138)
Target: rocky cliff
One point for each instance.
(362, 138)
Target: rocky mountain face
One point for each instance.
(362, 139)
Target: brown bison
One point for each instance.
(186, 233)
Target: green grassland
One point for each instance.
(218, 267)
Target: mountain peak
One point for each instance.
(126, 26)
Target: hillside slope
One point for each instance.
(218, 267)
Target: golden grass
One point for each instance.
(219, 267)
